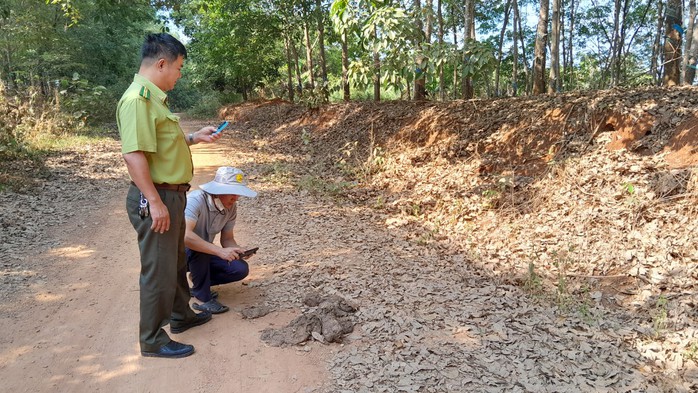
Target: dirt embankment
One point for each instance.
(585, 199)
(528, 244)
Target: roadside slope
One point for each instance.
(583, 201)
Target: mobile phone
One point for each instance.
(249, 252)
(221, 127)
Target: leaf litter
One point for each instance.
(492, 245)
(526, 244)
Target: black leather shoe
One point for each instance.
(171, 350)
(200, 319)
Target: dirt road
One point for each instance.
(75, 328)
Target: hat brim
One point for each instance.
(216, 188)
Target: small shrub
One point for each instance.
(205, 108)
(659, 315)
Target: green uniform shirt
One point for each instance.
(146, 124)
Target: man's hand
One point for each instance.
(139, 171)
(206, 135)
(230, 253)
(160, 216)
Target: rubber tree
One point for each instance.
(540, 49)
(672, 43)
(469, 37)
(691, 49)
(344, 22)
(554, 84)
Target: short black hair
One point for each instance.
(159, 45)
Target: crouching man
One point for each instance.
(210, 211)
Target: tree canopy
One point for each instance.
(319, 50)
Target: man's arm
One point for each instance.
(138, 169)
(229, 252)
(228, 238)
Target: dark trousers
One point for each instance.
(164, 291)
(207, 270)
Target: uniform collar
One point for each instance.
(157, 93)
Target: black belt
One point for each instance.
(170, 187)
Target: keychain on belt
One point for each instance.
(143, 209)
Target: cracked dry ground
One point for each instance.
(428, 320)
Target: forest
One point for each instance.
(79, 55)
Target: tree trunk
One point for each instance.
(429, 30)
(420, 59)
(524, 61)
(570, 52)
(289, 69)
(376, 70)
(243, 90)
(621, 40)
(540, 49)
(689, 59)
(554, 83)
(655, 69)
(440, 20)
(321, 41)
(296, 61)
(468, 29)
(455, 45)
(497, 70)
(615, 37)
(308, 54)
(514, 50)
(345, 67)
(672, 44)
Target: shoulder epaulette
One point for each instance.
(145, 93)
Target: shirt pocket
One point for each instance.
(170, 129)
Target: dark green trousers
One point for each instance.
(164, 291)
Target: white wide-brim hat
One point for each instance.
(228, 181)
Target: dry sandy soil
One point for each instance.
(524, 245)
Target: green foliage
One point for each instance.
(480, 58)
(206, 107)
(314, 98)
(366, 94)
(379, 28)
(185, 95)
(234, 43)
(594, 36)
(237, 48)
(68, 61)
(85, 102)
(31, 128)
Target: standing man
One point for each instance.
(210, 211)
(159, 163)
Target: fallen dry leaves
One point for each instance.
(503, 245)
(562, 235)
